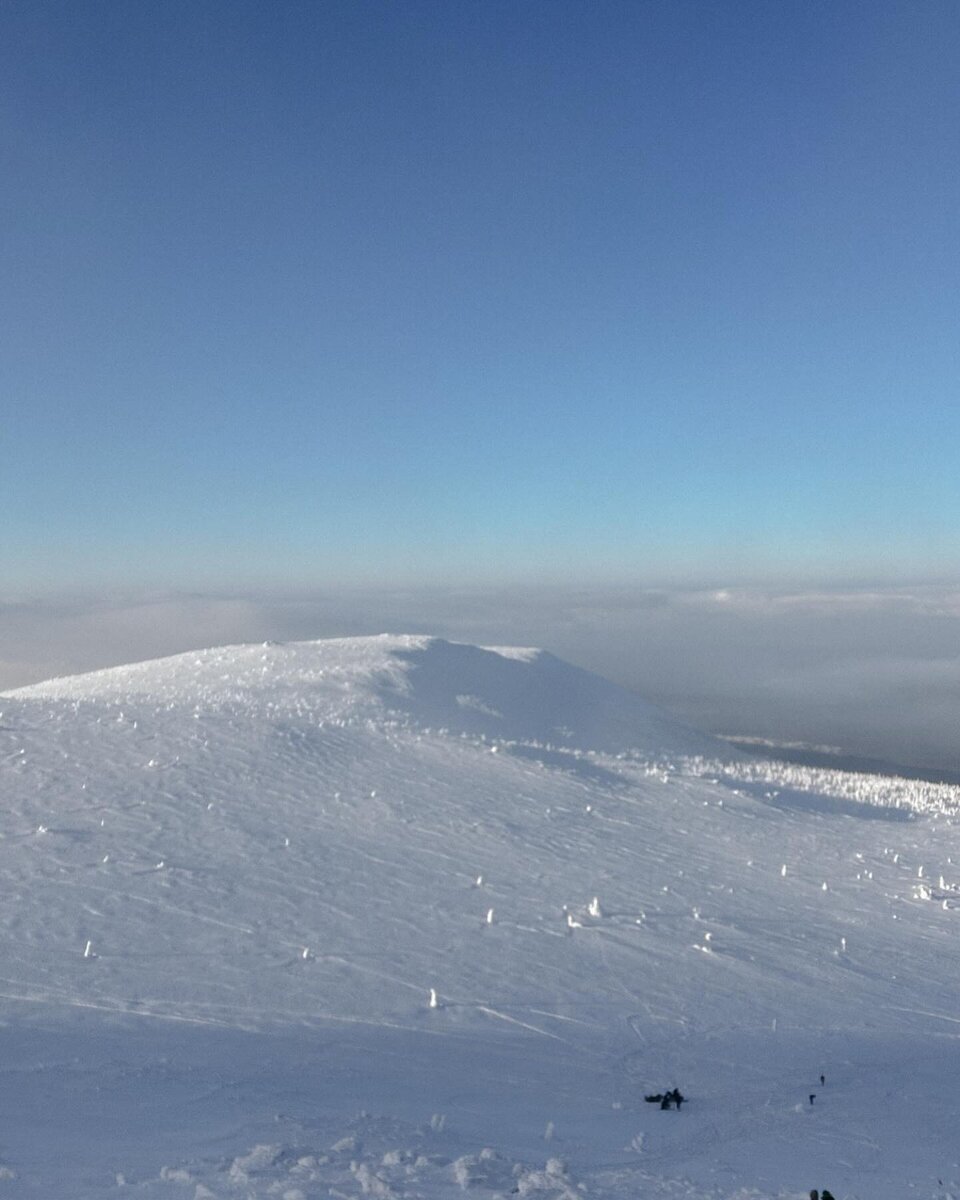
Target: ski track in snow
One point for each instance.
(256, 862)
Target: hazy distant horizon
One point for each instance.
(869, 672)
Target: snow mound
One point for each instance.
(504, 693)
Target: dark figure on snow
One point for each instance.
(813, 1096)
(814, 1194)
(825, 1195)
(667, 1099)
(823, 1080)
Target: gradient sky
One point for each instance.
(478, 291)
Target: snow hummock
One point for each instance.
(406, 918)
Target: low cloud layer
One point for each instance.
(871, 672)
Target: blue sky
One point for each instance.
(375, 293)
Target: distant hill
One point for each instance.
(506, 693)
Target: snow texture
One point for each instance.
(397, 917)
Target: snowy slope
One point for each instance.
(505, 693)
(235, 882)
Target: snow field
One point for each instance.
(455, 911)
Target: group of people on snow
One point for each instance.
(667, 1099)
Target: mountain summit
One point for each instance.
(503, 693)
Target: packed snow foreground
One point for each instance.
(403, 918)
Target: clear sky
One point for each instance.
(477, 291)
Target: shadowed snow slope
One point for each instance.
(334, 917)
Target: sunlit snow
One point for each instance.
(405, 918)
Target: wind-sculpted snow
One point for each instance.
(824, 789)
(402, 918)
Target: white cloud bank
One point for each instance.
(875, 672)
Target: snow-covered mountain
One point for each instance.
(505, 693)
(401, 917)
